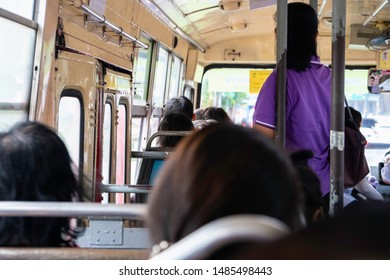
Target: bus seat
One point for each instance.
(222, 232)
(28, 253)
(150, 166)
(156, 167)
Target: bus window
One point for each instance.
(24, 8)
(69, 125)
(136, 130)
(141, 73)
(233, 89)
(160, 77)
(189, 92)
(16, 56)
(140, 108)
(374, 109)
(174, 81)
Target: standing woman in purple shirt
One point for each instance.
(308, 92)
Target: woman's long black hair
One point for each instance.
(35, 166)
(301, 35)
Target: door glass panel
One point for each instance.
(107, 129)
(69, 125)
(121, 151)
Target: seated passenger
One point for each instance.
(35, 166)
(363, 188)
(222, 170)
(199, 114)
(173, 122)
(180, 104)
(217, 114)
(314, 205)
(199, 121)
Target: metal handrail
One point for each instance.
(113, 188)
(166, 133)
(150, 154)
(102, 20)
(70, 209)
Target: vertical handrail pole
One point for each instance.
(281, 63)
(337, 110)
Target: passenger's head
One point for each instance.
(174, 122)
(356, 116)
(199, 114)
(35, 166)
(179, 104)
(301, 35)
(218, 171)
(310, 184)
(216, 113)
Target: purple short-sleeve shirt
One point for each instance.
(307, 114)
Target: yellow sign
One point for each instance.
(257, 79)
(384, 59)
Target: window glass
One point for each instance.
(233, 89)
(69, 125)
(175, 77)
(375, 124)
(10, 116)
(141, 73)
(16, 56)
(136, 136)
(24, 8)
(160, 77)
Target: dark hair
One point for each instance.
(35, 166)
(179, 104)
(310, 183)
(199, 114)
(216, 113)
(356, 116)
(301, 35)
(222, 170)
(173, 122)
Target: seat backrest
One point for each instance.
(150, 166)
(147, 173)
(223, 232)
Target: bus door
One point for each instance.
(76, 94)
(116, 133)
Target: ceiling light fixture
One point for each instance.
(229, 5)
(238, 26)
